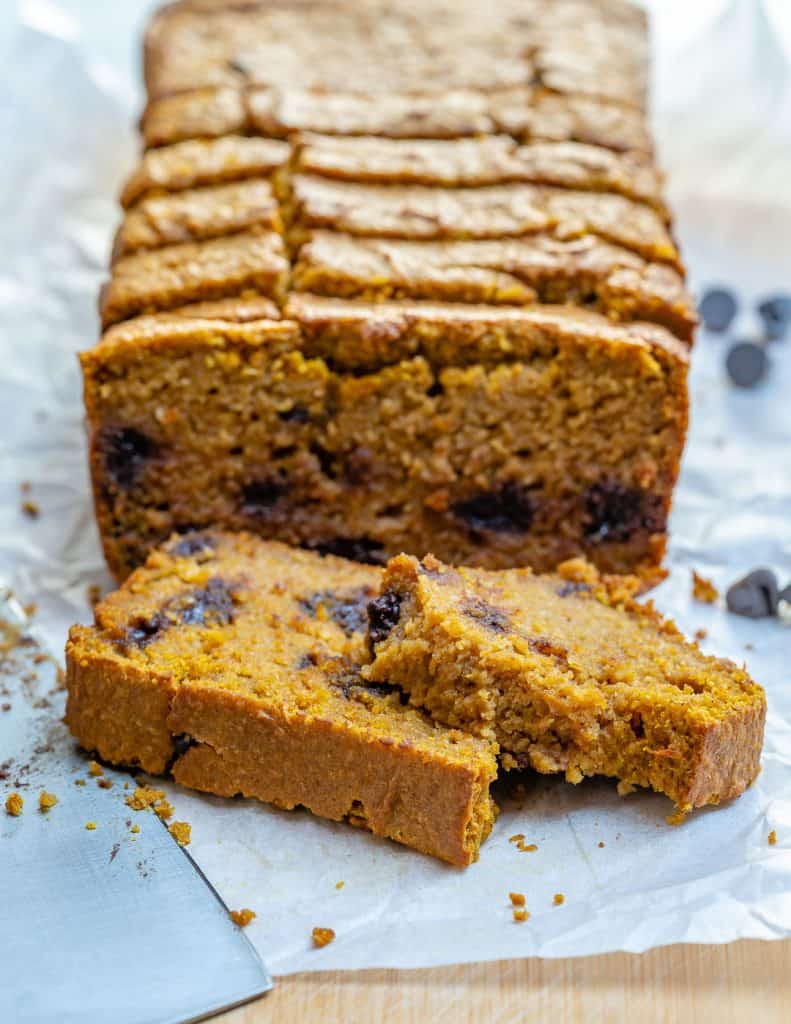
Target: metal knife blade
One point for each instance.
(100, 924)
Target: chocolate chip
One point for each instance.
(746, 363)
(775, 312)
(755, 596)
(383, 615)
(614, 512)
(296, 414)
(507, 510)
(126, 451)
(191, 544)
(569, 587)
(637, 725)
(259, 496)
(356, 549)
(212, 605)
(181, 744)
(486, 614)
(347, 610)
(350, 680)
(717, 309)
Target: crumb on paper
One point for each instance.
(703, 589)
(243, 917)
(144, 797)
(79, 782)
(518, 838)
(135, 829)
(558, 899)
(164, 810)
(339, 885)
(601, 844)
(701, 634)
(517, 899)
(678, 817)
(772, 838)
(104, 783)
(322, 937)
(95, 769)
(521, 914)
(749, 647)
(90, 825)
(181, 832)
(14, 804)
(30, 509)
(46, 800)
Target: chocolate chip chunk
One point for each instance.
(507, 510)
(614, 512)
(182, 743)
(718, 308)
(490, 617)
(259, 496)
(357, 549)
(347, 610)
(212, 605)
(570, 587)
(755, 596)
(775, 312)
(746, 363)
(296, 414)
(191, 544)
(351, 683)
(126, 451)
(383, 614)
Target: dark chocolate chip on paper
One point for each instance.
(717, 309)
(746, 364)
(754, 596)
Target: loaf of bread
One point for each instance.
(394, 276)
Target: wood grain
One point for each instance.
(741, 983)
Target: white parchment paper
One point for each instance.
(68, 99)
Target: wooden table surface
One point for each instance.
(741, 983)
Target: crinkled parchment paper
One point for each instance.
(70, 93)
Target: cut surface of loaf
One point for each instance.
(568, 674)
(439, 309)
(234, 665)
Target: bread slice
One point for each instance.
(569, 674)
(234, 664)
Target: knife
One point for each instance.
(97, 923)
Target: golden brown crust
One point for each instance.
(165, 278)
(485, 160)
(569, 674)
(199, 162)
(235, 665)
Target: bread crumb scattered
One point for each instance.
(517, 899)
(181, 832)
(14, 804)
(46, 800)
(90, 825)
(243, 917)
(95, 769)
(601, 845)
(135, 829)
(164, 810)
(558, 899)
(31, 509)
(701, 634)
(322, 937)
(772, 838)
(520, 914)
(79, 782)
(339, 885)
(143, 797)
(104, 783)
(518, 838)
(703, 589)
